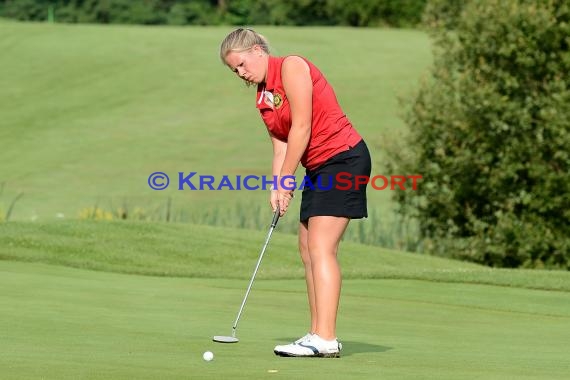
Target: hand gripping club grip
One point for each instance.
(275, 217)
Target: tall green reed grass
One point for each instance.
(384, 229)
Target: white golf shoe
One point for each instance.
(303, 338)
(312, 346)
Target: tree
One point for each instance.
(490, 133)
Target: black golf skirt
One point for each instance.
(338, 186)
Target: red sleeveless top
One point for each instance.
(331, 131)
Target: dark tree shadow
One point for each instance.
(349, 347)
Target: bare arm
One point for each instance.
(299, 90)
(287, 155)
(279, 151)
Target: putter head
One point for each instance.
(225, 339)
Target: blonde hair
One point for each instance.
(242, 39)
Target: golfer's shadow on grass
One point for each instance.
(350, 347)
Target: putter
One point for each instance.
(232, 338)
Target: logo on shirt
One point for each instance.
(277, 100)
(270, 99)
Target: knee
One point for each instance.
(317, 252)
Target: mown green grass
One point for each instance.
(174, 286)
(64, 323)
(88, 112)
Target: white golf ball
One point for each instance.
(208, 355)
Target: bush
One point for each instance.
(214, 12)
(24, 10)
(490, 133)
(399, 13)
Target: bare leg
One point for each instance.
(324, 234)
(306, 258)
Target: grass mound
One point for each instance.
(185, 250)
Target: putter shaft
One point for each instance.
(252, 278)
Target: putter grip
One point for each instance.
(275, 218)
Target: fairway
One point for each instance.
(90, 111)
(62, 323)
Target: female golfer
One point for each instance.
(307, 126)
